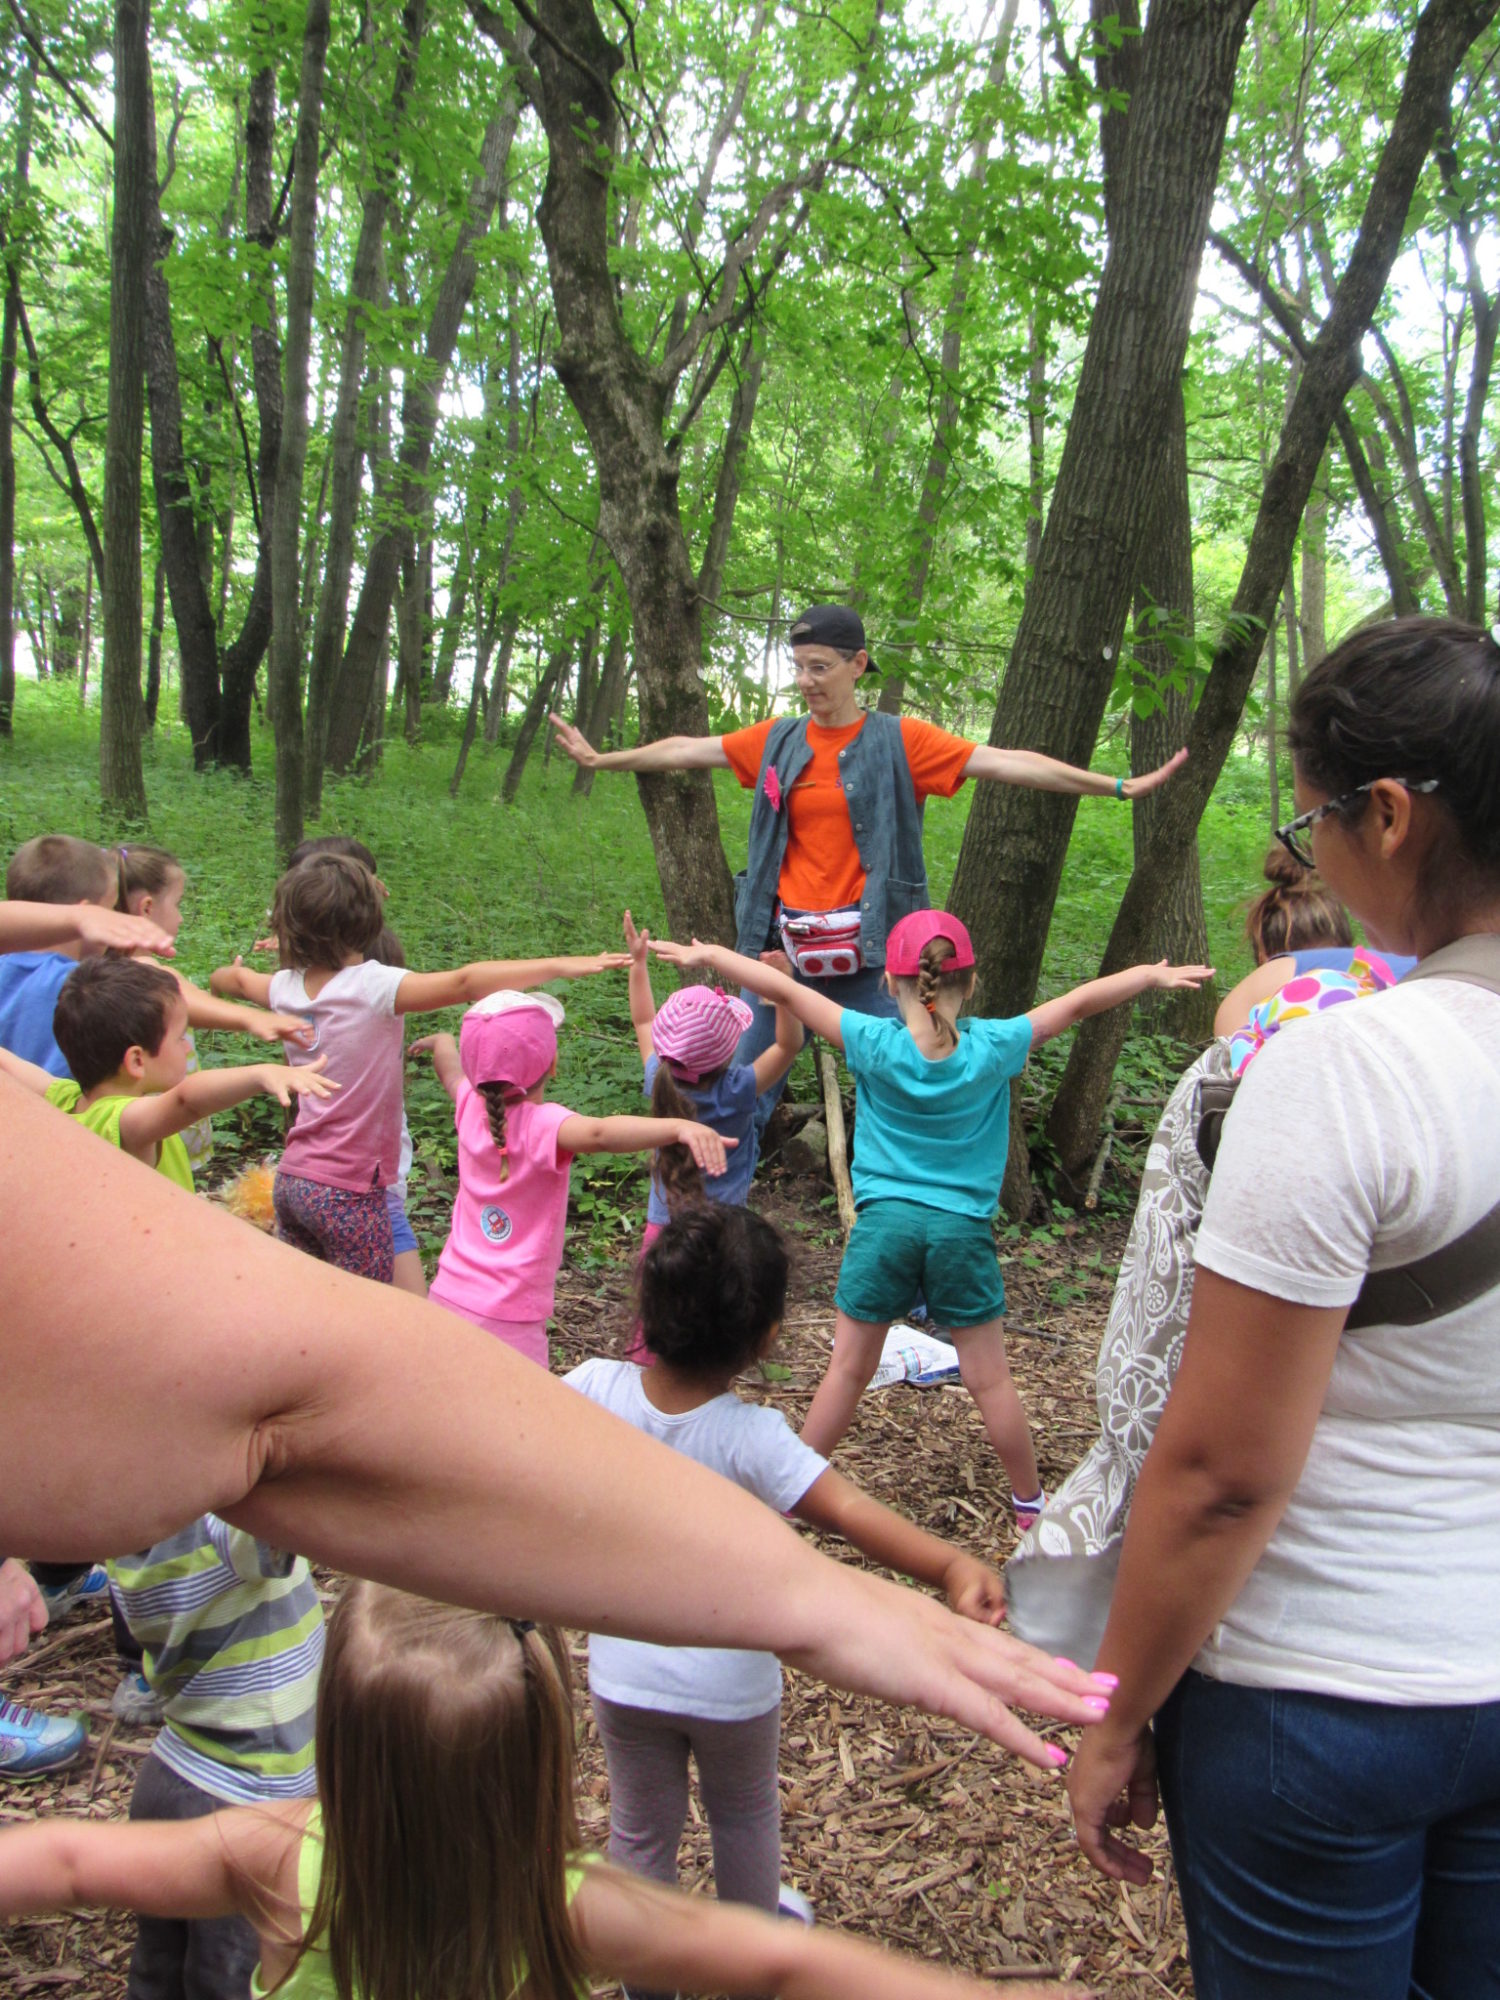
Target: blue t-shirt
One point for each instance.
(30, 982)
(727, 1103)
(933, 1132)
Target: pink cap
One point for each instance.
(697, 1030)
(510, 1038)
(903, 948)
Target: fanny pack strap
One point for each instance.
(1445, 1279)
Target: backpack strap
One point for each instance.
(1459, 1272)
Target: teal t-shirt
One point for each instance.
(933, 1132)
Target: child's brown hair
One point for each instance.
(110, 1005)
(145, 871)
(675, 1171)
(325, 908)
(445, 1772)
(1297, 913)
(932, 981)
(59, 868)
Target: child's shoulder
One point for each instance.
(604, 1380)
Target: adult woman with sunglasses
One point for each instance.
(835, 857)
(1306, 1601)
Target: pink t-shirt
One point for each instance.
(353, 1139)
(503, 1251)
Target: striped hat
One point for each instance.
(697, 1030)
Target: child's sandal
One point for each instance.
(1029, 1512)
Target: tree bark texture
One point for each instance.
(420, 410)
(622, 401)
(1445, 31)
(153, 649)
(1061, 665)
(122, 782)
(286, 515)
(542, 696)
(366, 286)
(10, 325)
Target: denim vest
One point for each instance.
(885, 819)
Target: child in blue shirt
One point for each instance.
(52, 868)
(932, 1128)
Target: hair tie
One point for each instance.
(931, 1004)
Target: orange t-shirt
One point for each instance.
(821, 869)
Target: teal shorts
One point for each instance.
(900, 1251)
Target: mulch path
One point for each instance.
(908, 1830)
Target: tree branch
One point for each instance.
(79, 101)
(217, 349)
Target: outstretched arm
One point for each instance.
(644, 1135)
(205, 1011)
(668, 753)
(46, 926)
(1047, 774)
(425, 992)
(445, 1059)
(645, 1935)
(479, 1478)
(642, 999)
(824, 1017)
(238, 982)
(772, 1064)
(1055, 1017)
(837, 1506)
(31, 1076)
(146, 1121)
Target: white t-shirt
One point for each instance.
(756, 1448)
(351, 1140)
(1365, 1139)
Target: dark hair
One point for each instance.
(334, 843)
(107, 1006)
(711, 1287)
(932, 980)
(144, 871)
(325, 908)
(387, 949)
(494, 1095)
(1297, 913)
(674, 1170)
(445, 1757)
(1419, 699)
(59, 868)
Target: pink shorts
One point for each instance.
(526, 1336)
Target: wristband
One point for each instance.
(1119, 788)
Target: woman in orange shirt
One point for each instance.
(835, 834)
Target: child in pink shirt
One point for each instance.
(515, 1149)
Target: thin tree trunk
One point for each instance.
(153, 651)
(88, 624)
(606, 702)
(1314, 612)
(485, 628)
(10, 321)
(453, 623)
(122, 783)
(499, 700)
(542, 696)
(286, 520)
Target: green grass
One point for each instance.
(475, 879)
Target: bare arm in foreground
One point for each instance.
(235, 1374)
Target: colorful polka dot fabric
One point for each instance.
(1308, 994)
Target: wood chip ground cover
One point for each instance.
(904, 1829)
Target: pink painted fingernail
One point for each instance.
(1059, 1757)
(1096, 1702)
(1061, 1662)
(1110, 1681)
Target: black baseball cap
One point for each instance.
(830, 625)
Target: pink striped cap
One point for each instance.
(510, 1038)
(697, 1030)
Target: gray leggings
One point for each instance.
(206, 1958)
(647, 1752)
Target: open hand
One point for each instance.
(974, 1590)
(1113, 1784)
(687, 955)
(271, 943)
(115, 930)
(285, 1028)
(1149, 781)
(284, 1084)
(582, 968)
(778, 962)
(23, 1610)
(573, 743)
(636, 941)
(708, 1147)
(1171, 978)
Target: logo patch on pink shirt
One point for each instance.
(495, 1223)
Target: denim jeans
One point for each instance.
(864, 991)
(1331, 1849)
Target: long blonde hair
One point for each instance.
(931, 982)
(445, 1772)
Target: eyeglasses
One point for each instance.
(817, 670)
(1301, 850)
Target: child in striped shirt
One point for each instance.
(232, 1632)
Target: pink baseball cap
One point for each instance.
(510, 1038)
(903, 948)
(697, 1029)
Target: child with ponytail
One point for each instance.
(515, 1153)
(931, 1132)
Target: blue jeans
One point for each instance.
(864, 991)
(1331, 1849)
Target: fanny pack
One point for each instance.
(824, 944)
(1445, 1279)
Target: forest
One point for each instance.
(368, 372)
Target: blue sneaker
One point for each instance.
(32, 1745)
(85, 1592)
(136, 1703)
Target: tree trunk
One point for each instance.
(286, 519)
(366, 284)
(453, 623)
(752, 369)
(1061, 665)
(153, 651)
(10, 323)
(531, 721)
(122, 783)
(606, 705)
(88, 625)
(1313, 616)
(409, 642)
(1445, 31)
(420, 410)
